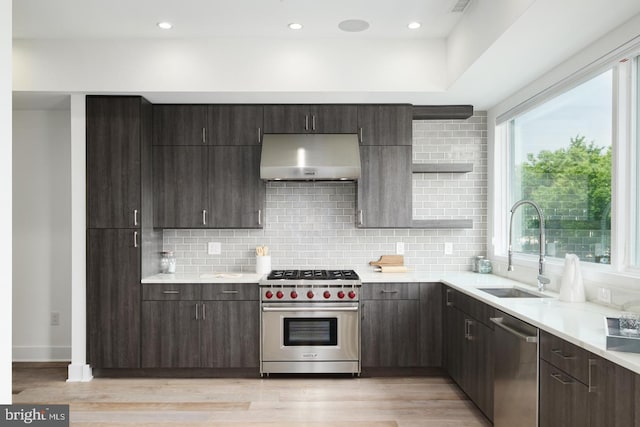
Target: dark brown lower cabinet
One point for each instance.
(200, 326)
(468, 348)
(113, 298)
(563, 399)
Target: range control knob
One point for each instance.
(310, 295)
(352, 294)
(294, 294)
(327, 294)
(279, 294)
(269, 295)
(340, 294)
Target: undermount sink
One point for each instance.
(511, 293)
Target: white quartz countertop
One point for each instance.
(582, 324)
(219, 277)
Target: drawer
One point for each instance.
(230, 291)
(171, 292)
(386, 291)
(566, 356)
(470, 306)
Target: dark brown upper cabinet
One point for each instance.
(310, 118)
(235, 124)
(385, 124)
(180, 125)
(115, 129)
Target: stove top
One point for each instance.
(313, 275)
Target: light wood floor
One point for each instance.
(282, 402)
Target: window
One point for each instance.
(560, 158)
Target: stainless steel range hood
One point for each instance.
(318, 157)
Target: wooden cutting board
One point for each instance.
(389, 260)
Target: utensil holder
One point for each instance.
(263, 264)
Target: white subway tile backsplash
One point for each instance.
(312, 225)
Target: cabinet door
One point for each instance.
(478, 366)
(180, 187)
(613, 396)
(334, 119)
(454, 340)
(170, 334)
(236, 192)
(230, 334)
(286, 119)
(179, 125)
(385, 124)
(384, 189)
(235, 124)
(113, 298)
(390, 333)
(563, 399)
(430, 337)
(113, 160)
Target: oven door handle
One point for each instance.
(283, 309)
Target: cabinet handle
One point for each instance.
(384, 291)
(170, 292)
(561, 355)
(558, 377)
(197, 312)
(230, 292)
(135, 217)
(204, 312)
(135, 239)
(306, 122)
(592, 388)
(467, 329)
(259, 136)
(313, 122)
(448, 300)
(361, 134)
(204, 135)
(259, 216)
(204, 217)
(360, 217)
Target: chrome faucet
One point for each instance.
(542, 280)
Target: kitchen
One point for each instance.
(287, 231)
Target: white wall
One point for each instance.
(5, 201)
(42, 230)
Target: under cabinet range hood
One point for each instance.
(318, 157)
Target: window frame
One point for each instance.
(625, 180)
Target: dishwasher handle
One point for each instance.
(527, 338)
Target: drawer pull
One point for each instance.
(592, 388)
(448, 300)
(384, 291)
(230, 292)
(561, 355)
(558, 377)
(170, 292)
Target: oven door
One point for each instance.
(310, 332)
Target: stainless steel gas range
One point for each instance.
(310, 322)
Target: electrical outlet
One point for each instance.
(604, 295)
(399, 248)
(448, 248)
(55, 318)
(215, 248)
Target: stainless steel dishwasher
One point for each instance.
(515, 372)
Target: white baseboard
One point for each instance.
(79, 373)
(41, 354)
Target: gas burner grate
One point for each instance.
(313, 275)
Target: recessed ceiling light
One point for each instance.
(353, 25)
(165, 25)
(295, 26)
(414, 25)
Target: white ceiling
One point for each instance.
(492, 50)
(229, 18)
